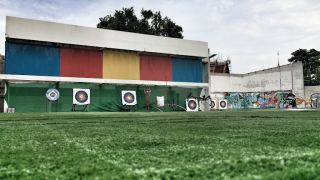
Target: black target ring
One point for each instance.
(192, 105)
(52, 94)
(128, 97)
(212, 104)
(81, 96)
(223, 104)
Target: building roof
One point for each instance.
(44, 31)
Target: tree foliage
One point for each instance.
(311, 61)
(151, 23)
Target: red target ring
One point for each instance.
(81, 96)
(192, 104)
(128, 97)
(223, 104)
(212, 104)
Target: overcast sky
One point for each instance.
(249, 32)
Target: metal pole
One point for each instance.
(279, 70)
(166, 87)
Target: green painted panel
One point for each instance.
(30, 97)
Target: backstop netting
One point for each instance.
(31, 97)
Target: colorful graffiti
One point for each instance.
(245, 100)
(277, 100)
(314, 100)
(265, 100)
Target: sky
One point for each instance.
(249, 32)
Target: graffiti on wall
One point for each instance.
(265, 100)
(245, 100)
(314, 101)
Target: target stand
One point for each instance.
(82, 110)
(52, 96)
(147, 95)
(126, 108)
(53, 102)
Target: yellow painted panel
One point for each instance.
(120, 65)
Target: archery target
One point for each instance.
(213, 104)
(81, 96)
(191, 104)
(129, 98)
(223, 104)
(52, 94)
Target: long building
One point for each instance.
(41, 55)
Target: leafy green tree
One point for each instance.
(317, 78)
(311, 61)
(151, 23)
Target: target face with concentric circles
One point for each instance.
(192, 104)
(81, 96)
(212, 104)
(223, 104)
(52, 94)
(129, 97)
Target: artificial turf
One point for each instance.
(239, 144)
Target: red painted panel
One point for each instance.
(155, 68)
(76, 62)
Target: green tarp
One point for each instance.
(31, 97)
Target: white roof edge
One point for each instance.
(29, 29)
(27, 78)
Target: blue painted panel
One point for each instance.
(31, 59)
(186, 70)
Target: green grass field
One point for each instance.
(239, 144)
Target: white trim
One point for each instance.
(26, 78)
(29, 29)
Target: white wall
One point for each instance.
(284, 78)
(309, 90)
(29, 29)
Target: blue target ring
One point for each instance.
(128, 97)
(52, 94)
(81, 96)
(212, 104)
(223, 104)
(192, 105)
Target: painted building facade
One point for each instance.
(42, 55)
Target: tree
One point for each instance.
(151, 23)
(311, 61)
(317, 78)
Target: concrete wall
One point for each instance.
(309, 90)
(286, 78)
(221, 82)
(28, 29)
(283, 78)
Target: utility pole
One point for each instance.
(279, 70)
